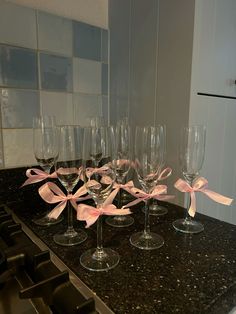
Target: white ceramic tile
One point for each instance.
(18, 107)
(55, 34)
(58, 104)
(18, 147)
(17, 25)
(86, 106)
(87, 76)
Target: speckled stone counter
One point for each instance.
(189, 274)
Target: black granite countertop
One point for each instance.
(189, 274)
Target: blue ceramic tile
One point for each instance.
(104, 79)
(87, 41)
(105, 45)
(18, 67)
(56, 72)
(18, 107)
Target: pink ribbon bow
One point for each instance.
(90, 214)
(104, 170)
(127, 187)
(51, 194)
(158, 193)
(200, 185)
(38, 176)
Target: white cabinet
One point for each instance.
(214, 73)
(219, 166)
(215, 47)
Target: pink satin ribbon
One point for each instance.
(127, 187)
(164, 174)
(38, 176)
(51, 194)
(158, 193)
(123, 162)
(200, 185)
(90, 214)
(104, 170)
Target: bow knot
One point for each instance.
(51, 194)
(127, 187)
(90, 214)
(200, 185)
(159, 193)
(104, 170)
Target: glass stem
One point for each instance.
(188, 217)
(119, 198)
(147, 218)
(99, 234)
(99, 252)
(70, 228)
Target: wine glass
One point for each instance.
(99, 176)
(155, 209)
(192, 150)
(122, 161)
(68, 169)
(96, 121)
(45, 143)
(148, 159)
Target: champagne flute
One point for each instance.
(148, 160)
(122, 161)
(192, 150)
(155, 209)
(45, 143)
(99, 176)
(68, 169)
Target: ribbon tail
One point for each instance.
(84, 198)
(74, 204)
(192, 208)
(91, 220)
(218, 197)
(31, 181)
(164, 197)
(111, 197)
(55, 213)
(133, 203)
(118, 212)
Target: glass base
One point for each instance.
(157, 210)
(120, 221)
(188, 226)
(146, 241)
(46, 221)
(70, 238)
(96, 260)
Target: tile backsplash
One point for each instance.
(48, 65)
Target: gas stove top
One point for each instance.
(33, 279)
